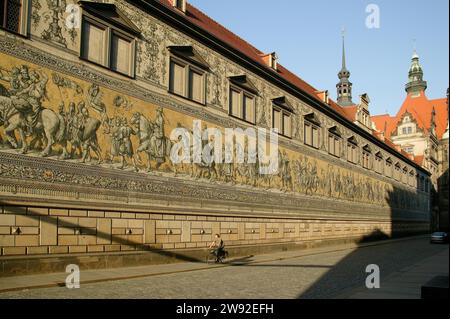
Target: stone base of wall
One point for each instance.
(25, 265)
(47, 239)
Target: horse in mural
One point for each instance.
(49, 125)
(156, 148)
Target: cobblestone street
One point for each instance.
(333, 274)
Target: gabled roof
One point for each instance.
(110, 13)
(187, 52)
(383, 122)
(350, 112)
(244, 82)
(420, 109)
(419, 159)
(283, 103)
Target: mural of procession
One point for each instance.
(50, 115)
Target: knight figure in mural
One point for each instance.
(158, 138)
(125, 146)
(285, 172)
(28, 91)
(152, 139)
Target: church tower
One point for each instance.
(344, 87)
(415, 84)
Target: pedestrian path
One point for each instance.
(99, 275)
(406, 283)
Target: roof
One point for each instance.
(419, 159)
(205, 22)
(200, 19)
(350, 112)
(421, 109)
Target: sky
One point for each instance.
(307, 36)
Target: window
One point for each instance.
(121, 51)
(407, 130)
(379, 163)
(422, 184)
(282, 113)
(13, 15)
(242, 104)
(405, 175)
(366, 154)
(108, 42)
(389, 168)
(196, 86)
(187, 75)
(281, 120)
(177, 78)
(311, 136)
(411, 179)
(397, 172)
(180, 4)
(352, 151)
(242, 99)
(94, 43)
(409, 149)
(334, 142)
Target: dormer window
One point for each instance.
(271, 60)
(14, 16)
(274, 61)
(179, 4)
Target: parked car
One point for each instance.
(439, 237)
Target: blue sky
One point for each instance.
(307, 37)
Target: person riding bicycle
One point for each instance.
(218, 246)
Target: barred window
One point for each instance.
(13, 15)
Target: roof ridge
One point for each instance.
(225, 28)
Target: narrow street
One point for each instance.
(333, 274)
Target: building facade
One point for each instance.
(420, 128)
(89, 98)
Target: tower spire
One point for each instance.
(344, 87)
(344, 67)
(416, 84)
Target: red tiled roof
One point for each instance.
(206, 23)
(383, 122)
(420, 108)
(419, 159)
(350, 112)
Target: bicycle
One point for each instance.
(212, 259)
